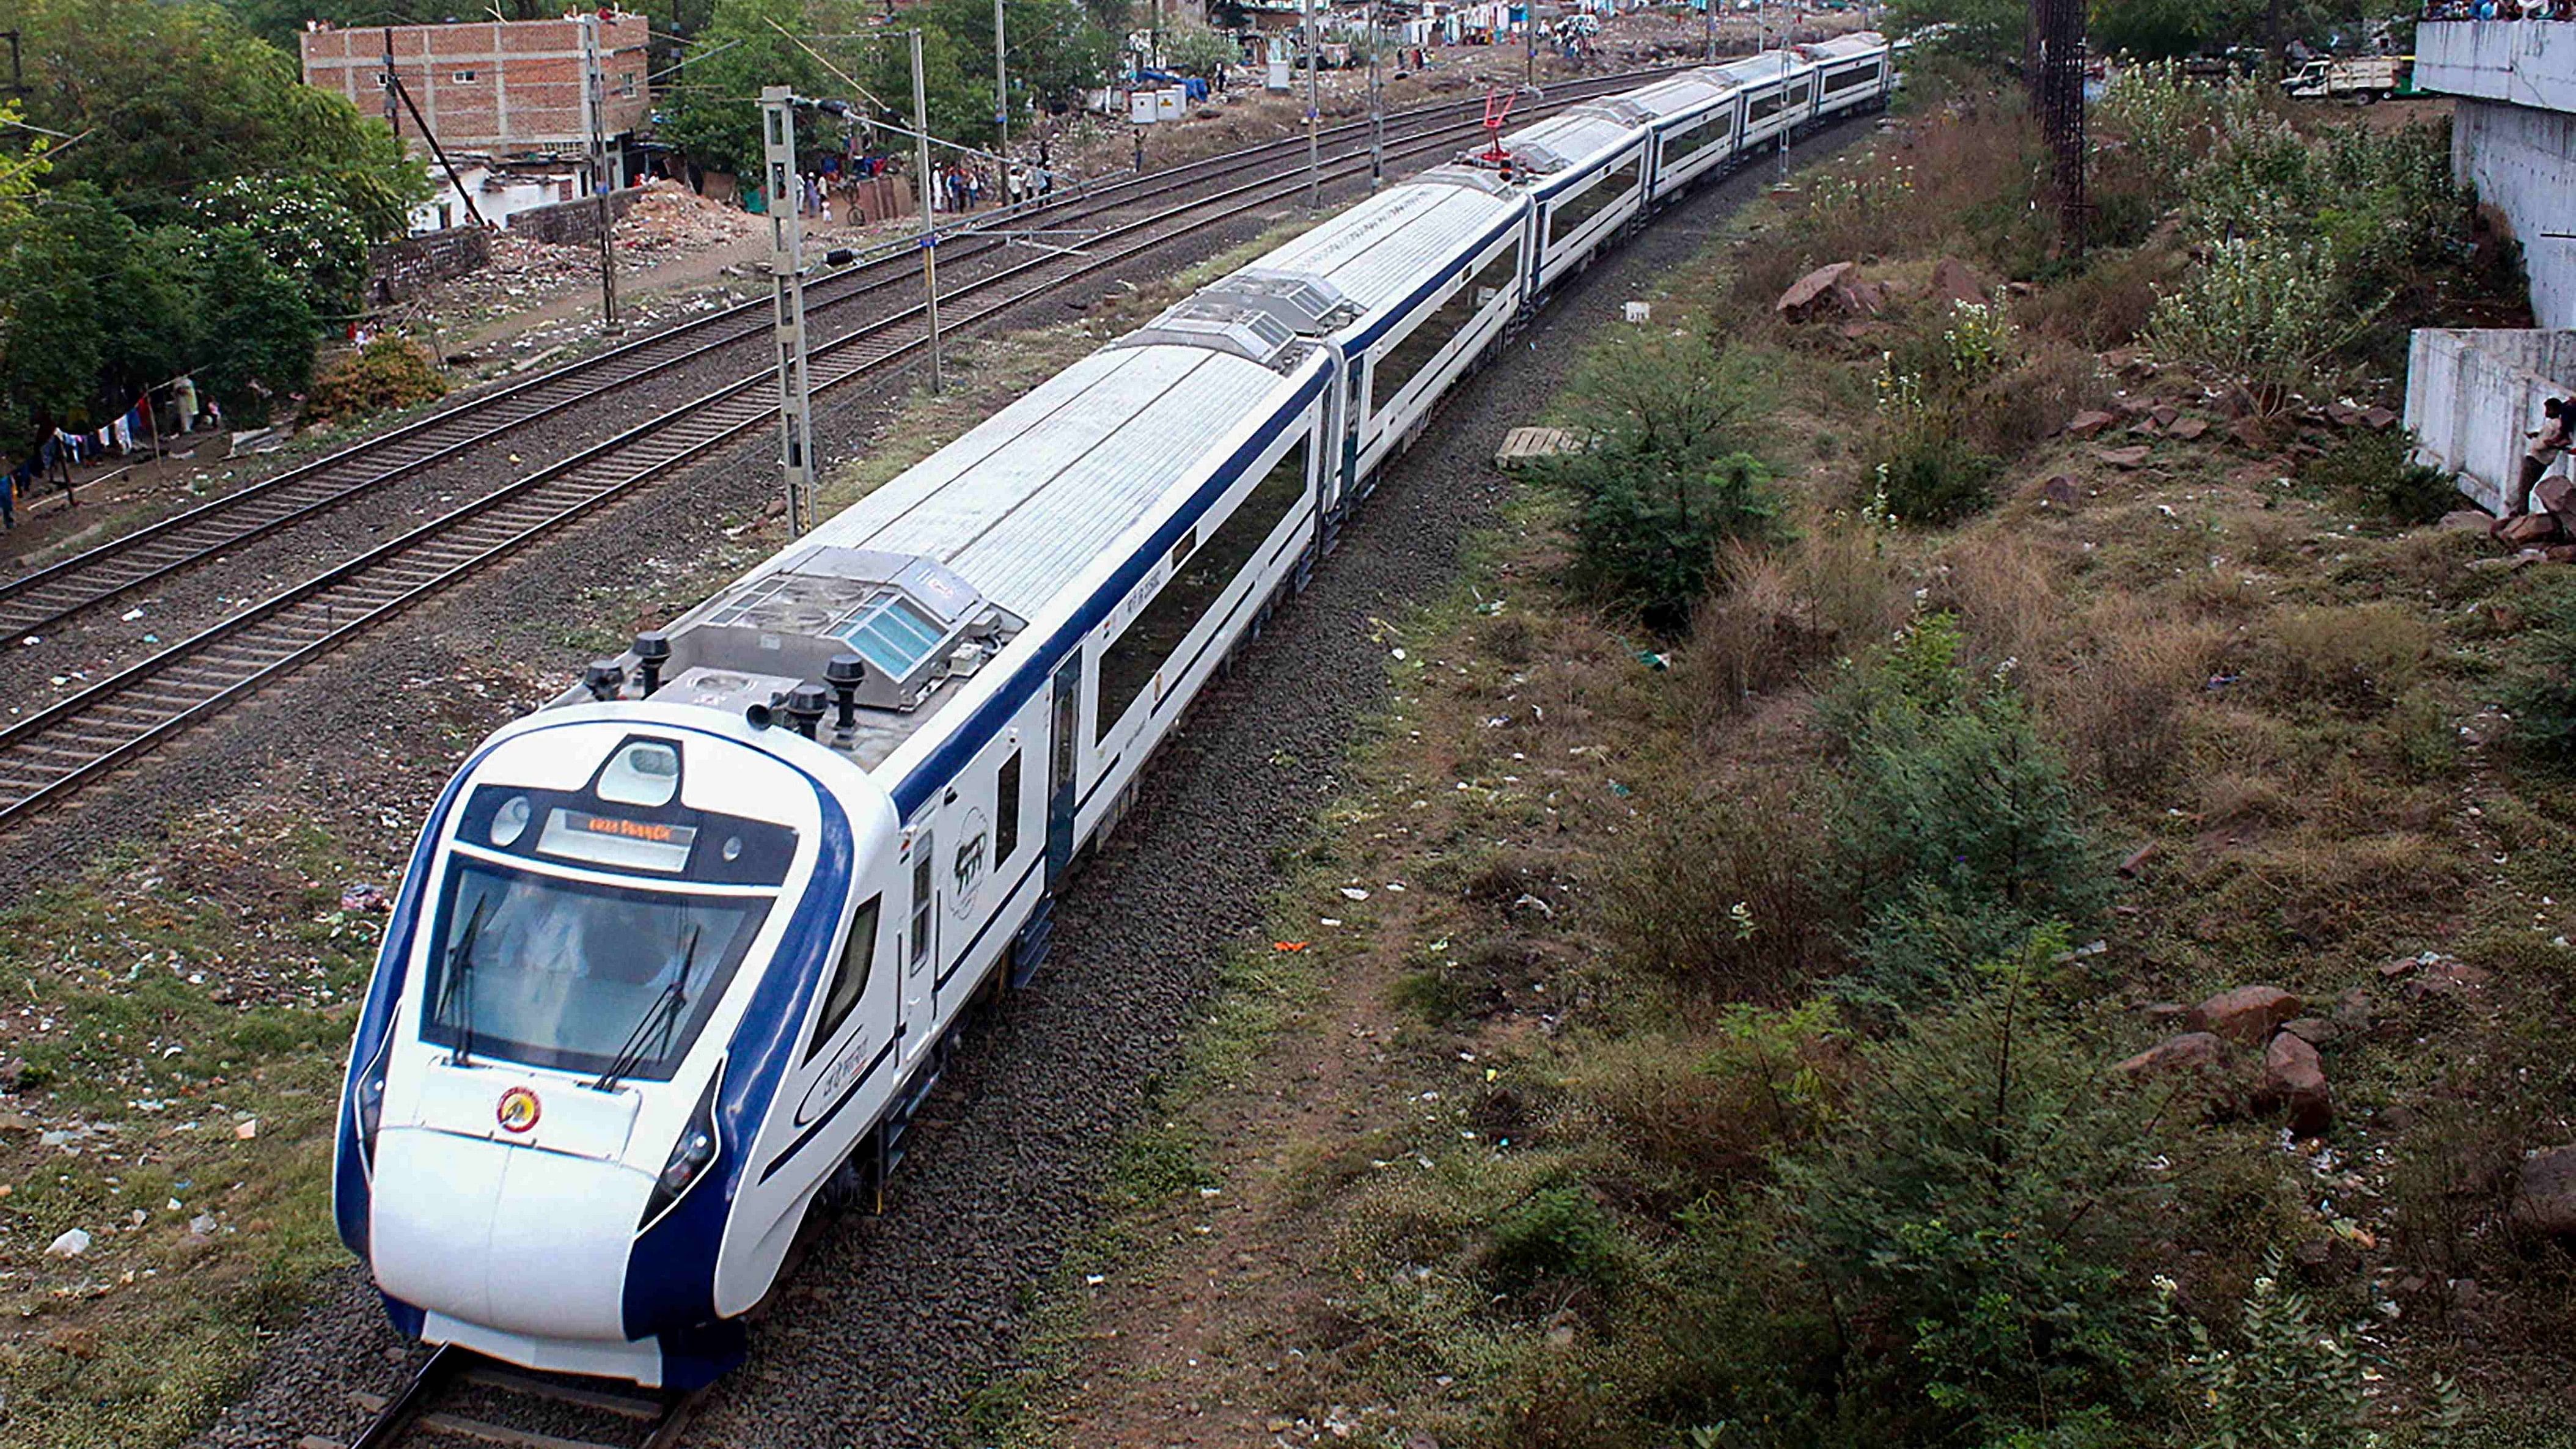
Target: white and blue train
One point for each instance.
(682, 951)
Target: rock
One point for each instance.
(1955, 281)
(2295, 1077)
(71, 1244)
(2165, 415)
(2058, 492)
(2544, 1197)
(2560, 553)
(2137, 858)
(2130, 457)
(2555, 494)
(202, 1225)
(2188, 429)
(2352, 1011)
(2378, 419)
(2146, 429)
(13, 1073)
(2092, 420)
(2250, 434)
(2247, 1015)
(16, 1122)
(78, 1342)
(2316, 1031)
(2530, 528)
(2192, 1051)
(1808, 294)
(2165, 1013)
(2396, 1119)
(2464, 520)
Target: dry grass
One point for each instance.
(1778, 611)
(2005, 590)
(2358, 660)
(2120, 702)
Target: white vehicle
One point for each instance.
(686, 948)
(2361, 77)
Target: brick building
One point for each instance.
(500, 91)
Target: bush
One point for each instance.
(1665, 479)
(2268, 310)
(1979, 1205)
(1556, 1232)
(2379, 471)
(2359, 660)
(385, 374)
(2540, 693)
(2105, 305)
(1955, 829)
(2285, 1381)
(1719, 896)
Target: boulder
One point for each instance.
(2544, 1198)
(2316, 1031)
(1808, 296)
(2093, 420)
(2378, 419)
(2192, 1051)
(2294, 1077)
(2246, 1015)
(2129, 457)
(1955, 281)
(2464, 520)
(2058, 491)
(2352, 1011)
(2251, 434)
(2529, 529)
(2189, 429)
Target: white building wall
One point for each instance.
(2523, 163)
(2474, 394)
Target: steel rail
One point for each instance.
(51, 753)
(662, 1418)
(44, 597)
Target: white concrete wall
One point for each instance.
(2472, 396)
(2523, 62)
(2523, 163)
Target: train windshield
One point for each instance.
(583, 977)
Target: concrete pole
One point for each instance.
(1002, 98)
(1711, 12)
(929, 233)
(1529, 44)
(595, 101)
(787, 292)
(1377, 104)
(1314, 112)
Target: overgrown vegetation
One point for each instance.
(1785, 987)
(385, 374)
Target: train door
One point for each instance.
(1064, 734)
(1354, 411)
(917, 1003)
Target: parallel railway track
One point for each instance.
(43, 598)
(48, 756)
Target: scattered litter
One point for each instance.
(70, 1245)
(247, 1128)
(361, 896)
(131, 615)
(1291, 946)
(1354, 893)
(1328, 920)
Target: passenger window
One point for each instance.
(850, 979)
(1698, 138)
(1128, 664)
(1006, 810)
(1567, 215)
(923, 908)
(1403, 362)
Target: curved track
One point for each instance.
(44, 597)
(52, 753)
(456, 1396)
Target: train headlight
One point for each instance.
(699, 1145)
(369, 1103)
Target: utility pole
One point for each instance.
(393, 117)
(595, 98)
(1314, 112)
(1002, 98)
(787, 291)
(1529, 44)
(1709, 9)
(1377, 106)
(929, 233)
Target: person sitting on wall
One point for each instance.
(2548, 442)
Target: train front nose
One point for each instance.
(505, 1235)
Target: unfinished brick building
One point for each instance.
(496, 90)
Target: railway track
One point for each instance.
(43, 598)
(456, 1396)
(51, 754)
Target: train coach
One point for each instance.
(681, 953)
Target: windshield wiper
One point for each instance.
(664, 1010)
(460, 984)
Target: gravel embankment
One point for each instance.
(892, 1320)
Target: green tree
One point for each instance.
(711, 108)
(304, 230)
(1056, 48)
(258, 309)
(91, 298)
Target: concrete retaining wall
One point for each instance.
(2472, 394)
(564, 222)
(2523, 163)
(2523, 62)
(405, 268)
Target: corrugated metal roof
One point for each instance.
(1377, 252)
(1568, 141)
(1033, 494)
(1770, 65)
(1858, 44)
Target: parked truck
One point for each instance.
(2358, 77)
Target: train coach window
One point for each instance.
(1764, 108)
(923, 906)
(1006, 810)
(1404, 362)
(1682, 145)
(1843, 80)
(1129, 663)
(1798, 95)
(1567, 214)
(850, 978)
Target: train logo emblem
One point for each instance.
(966, 867)
(519, 1110)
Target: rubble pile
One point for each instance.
(668, 218)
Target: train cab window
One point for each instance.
(1567, 214)
(849, 979)
(1006, 810)
(1130, 661)
(1404, 362)
(924, 907)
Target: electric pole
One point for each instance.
(595, 97)
(1002, 99)
(393, 117)
(787, 282)
(1377, 106)
(1709, 8)
(929, 233)
(1529, 44)
(1314, 112)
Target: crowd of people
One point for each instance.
(2500, 9)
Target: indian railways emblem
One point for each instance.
(519, 1110)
